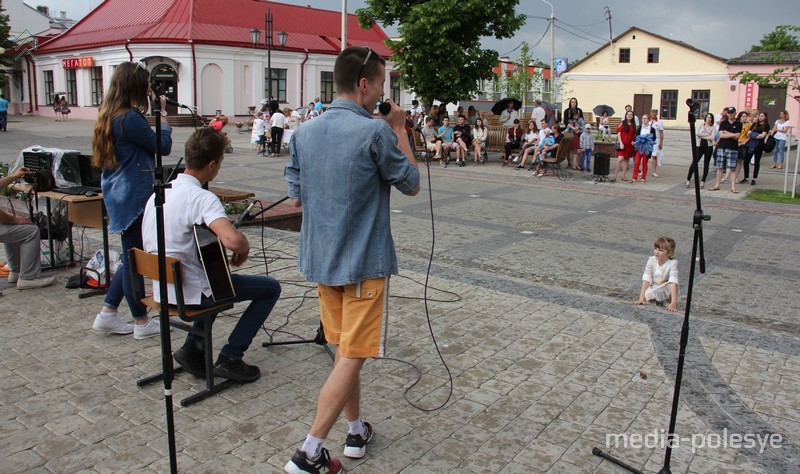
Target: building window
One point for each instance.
(72, 87)
(97, 85)
(624, 55)
(278, 84)
(702, 97)
(652, 55)
(669, 104)
(394, 88)
(49, 87)
(327, 87)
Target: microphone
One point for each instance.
(245, 216)
(156, 87)
(384, 108)
(176, 104)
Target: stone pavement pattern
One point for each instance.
(530, 301)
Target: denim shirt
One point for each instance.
(127, 187)
(343, 165)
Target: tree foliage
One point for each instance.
(783, 38)
(520, 81)
(5, 45)
(439, 53)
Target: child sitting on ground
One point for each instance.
(660, 278)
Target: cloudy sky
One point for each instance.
(721, 28)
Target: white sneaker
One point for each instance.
(655, 175)
(13, 277)
(109, 323)
(149, 329)
(516, 159)
(35, 283)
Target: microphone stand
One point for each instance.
(166, 342)
(697, 248)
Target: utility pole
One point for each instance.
(552, 51)
(610, 36)
(344, 24)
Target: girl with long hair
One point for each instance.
(779, 131)
(124, 147)
(758, 132)
(705, 133)
(626, 132)
(479, 134)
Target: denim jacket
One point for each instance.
(343, 165)
(127, 187)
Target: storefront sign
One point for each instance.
(748, 95)
(75, 63)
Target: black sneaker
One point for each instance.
(356, 445)
(323, 464)
(753, 182)
(236, 370)
(191, 359)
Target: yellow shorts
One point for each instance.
(355, 317)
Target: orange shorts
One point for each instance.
(355, 317)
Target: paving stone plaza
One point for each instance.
(530, 300)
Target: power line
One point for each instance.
(531, 45)
(579, 36)
(584, 32)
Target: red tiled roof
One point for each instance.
(225, 23)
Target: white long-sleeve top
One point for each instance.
(656, 274)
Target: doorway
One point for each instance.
(166, 78)
(771, 100)
(642, 103)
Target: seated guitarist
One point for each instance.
(187, 204)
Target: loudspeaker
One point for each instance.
(602, 164)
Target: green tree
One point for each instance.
(519, 83)
(5, 45)
(439, 53)
(783, 38)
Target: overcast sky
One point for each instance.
(725, 29)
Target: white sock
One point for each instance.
(108, 314)
(357, 427)
(312, 447)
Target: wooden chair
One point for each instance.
(554, 163)
(146, 264)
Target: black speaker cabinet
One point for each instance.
(602, 163)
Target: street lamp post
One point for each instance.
(552, 51)
(255, 35)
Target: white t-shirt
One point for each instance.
(259, 126)
(278, 120)
(656, 274)
(186, 204)
(780, 133)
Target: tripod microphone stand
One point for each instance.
(697, 248)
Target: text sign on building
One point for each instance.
(75, 63)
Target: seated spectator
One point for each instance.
(605, 127)
(432, 141)
(513, 140)
(509, 116)
(312, 112)
(534, 152)
(530, 140)
(473, 116)
(549, 148)
(20, 237)
(463, 136)
(446, 134)
(479, 134)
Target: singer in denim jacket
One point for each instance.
(338, 248)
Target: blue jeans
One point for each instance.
(780, 151)
(121, 282)
(586, 157)
(262, 292)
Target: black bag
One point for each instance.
(617, 145)
(59, 224)
(769, 143)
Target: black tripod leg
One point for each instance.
(599, 452)
(319, 338)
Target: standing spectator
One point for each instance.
(463, 136)
(478, 139)
(538, 113)
(3, 113)
(705, 133)
(509, 116)
(124, 147)
(432, 141)
(448, 143)
(572, 109)
(344, 188)
(758, 132)
(658, 125)
(434, 113)
(743, 140)
(278, 123)
(727, 152)
(644, 145)
(628, 108)
(318, 105)
(20, 238)
(257, 135)
(416, 113)
(587, 147)
(626, 132)
(64, 108)
(472, 115)
(779, 131)
(575, 127)
(513, 140)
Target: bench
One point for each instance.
(554, 163)
(496, 139)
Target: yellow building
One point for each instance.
(647, 71)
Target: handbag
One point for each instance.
(617, 145)
(769, 143)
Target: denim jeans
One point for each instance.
(121, 282)
(263, 292)
(780, 151)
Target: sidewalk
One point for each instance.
(530, 300)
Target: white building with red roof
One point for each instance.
(202, 54)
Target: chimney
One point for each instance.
(63, 15)
(43, 10)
